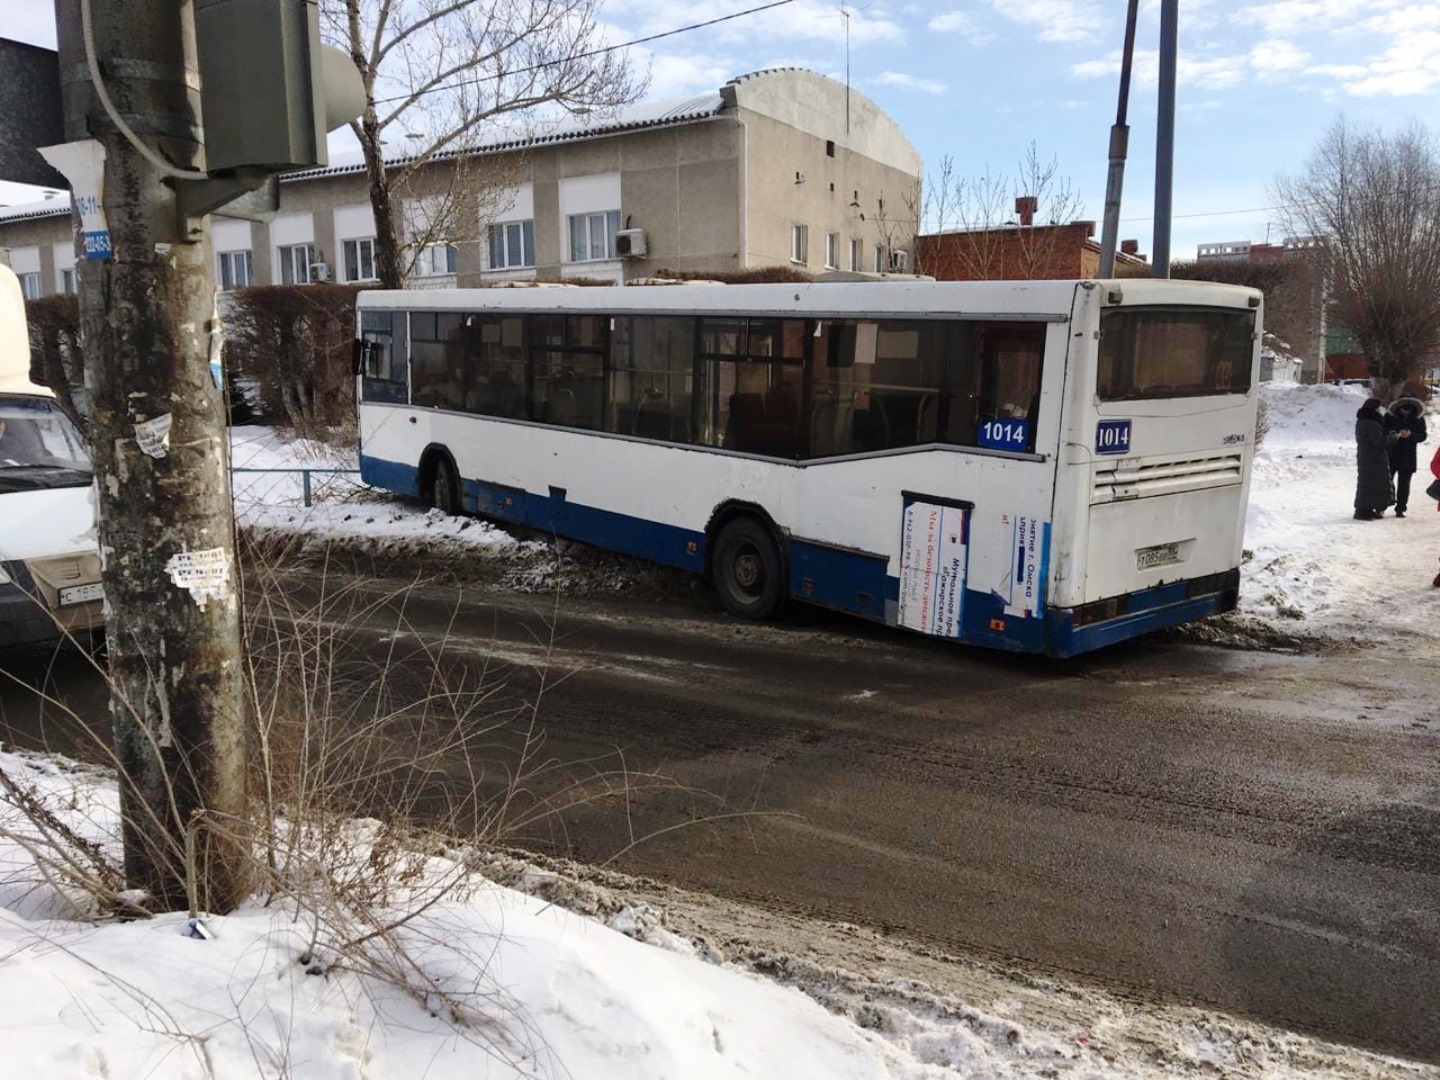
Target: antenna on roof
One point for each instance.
(845, 12)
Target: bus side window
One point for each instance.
(382, 365)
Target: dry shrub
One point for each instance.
(56, 360)
(758, 275)
(294, 344)
(386, 763)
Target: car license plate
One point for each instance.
(81, 594)
(1160, 555)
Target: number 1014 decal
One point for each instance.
(1112, 437)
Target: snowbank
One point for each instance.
(549, 993)
(1314, 570)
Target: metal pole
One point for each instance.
(147, 314)
(1165, 136)
(1119, 147)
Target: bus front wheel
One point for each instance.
(748, 573)
(444, 491)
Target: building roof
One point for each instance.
(56, 207)
(570, 128)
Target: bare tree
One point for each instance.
(991, 238)
(1372, 202)
(448, 73)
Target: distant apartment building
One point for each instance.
(1019, 250)
(782, 167)
(1300, 316)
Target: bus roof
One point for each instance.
(15, 339)
(1051, 300)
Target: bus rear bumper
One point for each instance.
(1077, 630)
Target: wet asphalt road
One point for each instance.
(1257, 832)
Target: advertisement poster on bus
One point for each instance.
(933, 554)
(1022, 590)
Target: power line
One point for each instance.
(1215, 213)
(586, 55)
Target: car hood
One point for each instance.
(58, 521)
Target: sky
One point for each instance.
(979, 80)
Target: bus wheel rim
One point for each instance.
(748, 570)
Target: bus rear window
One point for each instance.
(1164, 352)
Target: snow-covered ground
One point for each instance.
(1315, 571)
(518, 984)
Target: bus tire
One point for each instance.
(747, 571)
(444, 493)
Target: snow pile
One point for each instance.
(269, 493)
(548, 993)
(1313, 570)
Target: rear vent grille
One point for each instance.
(1135, 480)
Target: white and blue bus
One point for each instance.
(1047, 467)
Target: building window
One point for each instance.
(880, 266)
(512, 244)
(857, 253)
(832, 251)
(67, 282)
(295, 261)
(592, 236)
(436, 260)
(360, 259)
(30, 285)
(799, 243)
(234, 269)
(829, 147)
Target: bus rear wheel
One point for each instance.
(747, 570)
(444, 493)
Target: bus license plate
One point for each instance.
(81, 594)
(1160, 555)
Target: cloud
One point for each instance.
(1217, 73)
(962, 23)
(1059, 20)
(1286, 16)
(909, 82)
(1277, 56)
(1409, 66)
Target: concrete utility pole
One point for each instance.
(147, 316)
(1165, 136)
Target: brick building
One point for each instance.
(1019, 250)
(1298, 313)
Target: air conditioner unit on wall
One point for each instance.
(319, 272)
(630, 243)
(899, 262)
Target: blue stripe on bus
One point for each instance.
(853, 581)
(844, 580)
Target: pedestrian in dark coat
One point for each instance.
(1372, 464)
(1406, 419)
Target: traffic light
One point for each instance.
(270, 90)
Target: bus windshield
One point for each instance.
(1167, 352)
(37, 439)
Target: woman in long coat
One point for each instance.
(1372, 482)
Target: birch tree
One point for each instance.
(443, 76)
(1372, 201)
